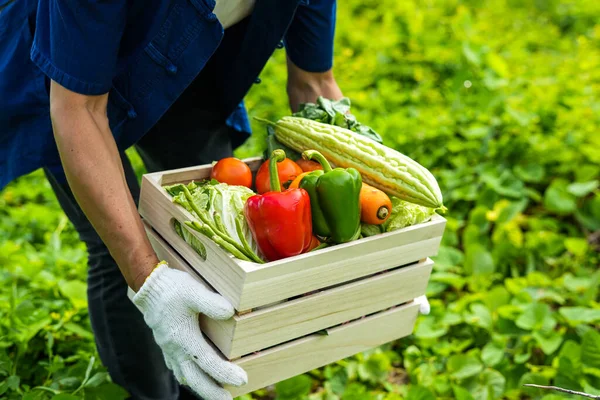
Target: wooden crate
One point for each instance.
(359, 293)
(248, 285)
(305, 352)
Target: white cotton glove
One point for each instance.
(423, 305)
(171, 301)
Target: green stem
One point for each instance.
(278, 155)
(265, 121)
(190, 200)
(314, 154)
(222, 232)
(249, 251)
(208, 232)
(202, 215)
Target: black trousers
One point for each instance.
(190, 133)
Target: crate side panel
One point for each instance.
(322, 272)
(315, 351)
(278, 324)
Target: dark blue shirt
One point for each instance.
(144, 53)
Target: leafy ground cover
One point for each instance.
(500, 100)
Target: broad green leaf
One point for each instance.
(558, 200)
(580, 189)
(428, 328)
(537, 316)
(480, 316)
(572, 351)
(454, 280)
(461, 393)
(338, 381)
(577, 246)
(576, 284)
(549, 342)
(567, 375)
(509, 212)
(531, 172)
(590, 349)
(356, 391)
(496, 297)
(489, 384)
(463, 366)
(536, 379)
(75, 291)
(479, 261)
(523, 357)
(492, 354)
(498, 64)
(416, 392)
(577, 315)
(294, 388)
(375, 368)
(3, 387)
(448, 257)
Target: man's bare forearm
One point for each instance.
(306, 87)
(95, 174)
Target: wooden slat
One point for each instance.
(273, 325)
(315, 351)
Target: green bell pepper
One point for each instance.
(334, 199)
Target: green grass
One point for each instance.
(499, 99)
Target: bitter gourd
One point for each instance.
(380, 166)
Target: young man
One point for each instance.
(83, 80)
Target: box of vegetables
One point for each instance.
(321, 245)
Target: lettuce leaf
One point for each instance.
(218, 199)
(406, 214)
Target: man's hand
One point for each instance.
(171, 301)
(94, 170)
(306, 87)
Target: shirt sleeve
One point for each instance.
(76, 42)
(309, 39)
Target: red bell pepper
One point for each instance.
(280, 222)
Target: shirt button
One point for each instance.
(280, 45)
(257, 80)
(171, 69)
(131, 113)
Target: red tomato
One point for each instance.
(308, 165)
(287, 171)
(232, 172)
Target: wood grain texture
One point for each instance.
(250, 285)
(245, 334)
(302, 355)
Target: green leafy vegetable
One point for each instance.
(336, 113)
(406, 214)
(220, 211)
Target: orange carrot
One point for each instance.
(375, 205)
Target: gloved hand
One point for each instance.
(171, 301)
(423, 303)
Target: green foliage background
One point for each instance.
(500, 100)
